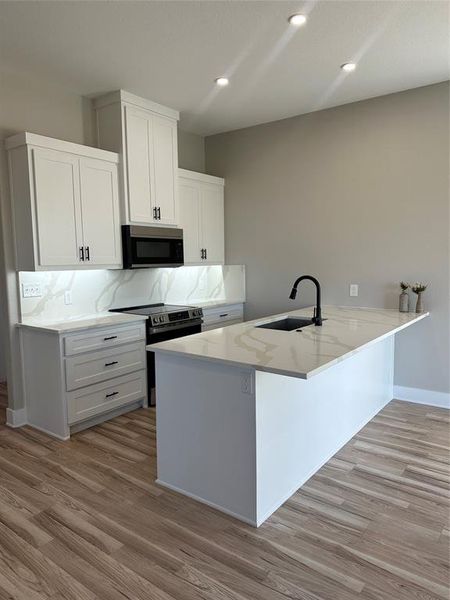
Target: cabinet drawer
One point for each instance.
(220, 315)
(93, 367)
(104, 338)
(212, 326)
(103, 397)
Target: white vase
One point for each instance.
(403, 304)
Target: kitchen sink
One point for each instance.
(288, 324)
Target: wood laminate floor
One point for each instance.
(84, 519)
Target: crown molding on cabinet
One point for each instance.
(195, 176)
(33, 139)
(123, 96)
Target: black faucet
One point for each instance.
(317, 318)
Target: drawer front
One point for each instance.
(222, 314)
(93, 367)
(104, 338)
(103, 397)
(211, 326)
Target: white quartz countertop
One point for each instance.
(106, 319)
(345, 331)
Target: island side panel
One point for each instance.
(205, 427)
(300, 424)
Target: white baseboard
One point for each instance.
(16, 418)
(419, 396)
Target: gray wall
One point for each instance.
(191, 151)
(353, 194)
(28, 103)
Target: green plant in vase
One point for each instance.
(403, 305)
(418, 288)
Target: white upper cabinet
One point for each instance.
(65, 204)
(189, 197)
(139, 158)
(212, 222)
(201, 200)
(100, 212)
(58, 211)
(165, 152)
(145, 133)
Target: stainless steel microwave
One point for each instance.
(151, 247)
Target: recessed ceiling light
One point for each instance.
(222, 81)
(297, 20)
(348, 67)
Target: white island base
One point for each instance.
(244, 440)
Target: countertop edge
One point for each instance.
(287, 372)
(81, 324)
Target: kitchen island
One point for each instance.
(246, 415)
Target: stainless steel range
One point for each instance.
(165, 322)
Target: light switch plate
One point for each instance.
(31, 290)
(354, 289)
(68, 297)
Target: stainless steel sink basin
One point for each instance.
(288, 324)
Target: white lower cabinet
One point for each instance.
(201, 209)
(71, 379)
(65, 204)
(215, 317)
(106, 396)
(86, 369)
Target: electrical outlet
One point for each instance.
(246, 383)
(354, 289)
(31, 290)
(68, 297)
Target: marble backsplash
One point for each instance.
(97, 291)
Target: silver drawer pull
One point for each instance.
(114, 362)
(111, 394)
(110, 337)
(224, 315)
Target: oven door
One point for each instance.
(162, 334)
(152, 247)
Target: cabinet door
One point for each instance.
(212, 223)
(100, 212)
(57, 203)
(139, 167)
(165, 169)
(189, 211)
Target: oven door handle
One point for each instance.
(165, 327)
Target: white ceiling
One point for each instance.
(170, 52)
